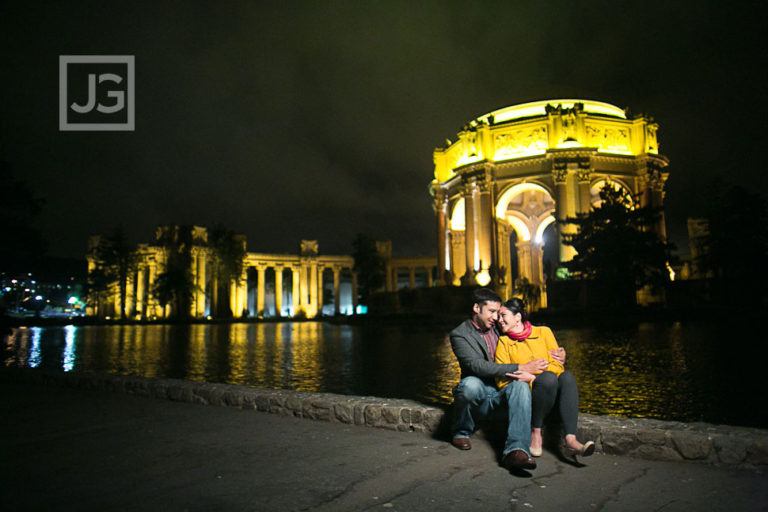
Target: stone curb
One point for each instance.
(643, 438)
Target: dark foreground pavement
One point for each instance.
(88, 450)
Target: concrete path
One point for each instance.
(87, 450)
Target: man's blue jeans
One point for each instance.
(473, 400)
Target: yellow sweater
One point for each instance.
(537, 346)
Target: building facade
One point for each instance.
(304, 285)
(516, 172)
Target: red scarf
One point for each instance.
(522, 335)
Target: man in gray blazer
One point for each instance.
(476, 396)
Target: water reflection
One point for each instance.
(655, 370)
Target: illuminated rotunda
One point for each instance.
(515, 171)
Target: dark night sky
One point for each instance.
(317, 120)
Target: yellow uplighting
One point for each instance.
(538, 108)
(523, 233)
(509, 194)
(539, 237)
(528, 130)
(483, 277)
(458, 221)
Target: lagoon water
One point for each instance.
(664, 370)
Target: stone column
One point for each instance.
(295, 291)
(304, 288)
(430, 270)
(643, 183)
(141, 299)
(505, 257)
(261, 271)
(320, 289)
(524, 257)
(242, 294)
(470, 233)
(278, 290)
(130, 290)
(156, 310)
(388, 278)
(484, 223)
(443, 242)
(354, 292)
(233, 298)
(336, 290)
(313, 295)
(585, 196)
(458, 249)
(560, 177)
(412, 277)
(198, 298)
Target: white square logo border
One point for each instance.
(129, 60)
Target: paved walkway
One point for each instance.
(92, 450)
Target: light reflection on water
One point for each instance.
(660, 370)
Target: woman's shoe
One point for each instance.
(586, 450)
(536, 452)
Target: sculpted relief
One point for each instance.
(520, 141)
(608, 138)
(651, 143)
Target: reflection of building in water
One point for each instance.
(306, 284)
(500, 187)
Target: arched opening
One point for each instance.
(525, 212)
(597, 186)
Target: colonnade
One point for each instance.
(306, 278)
(425, 264)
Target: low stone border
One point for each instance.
(644, 438)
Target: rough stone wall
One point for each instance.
(644, 438)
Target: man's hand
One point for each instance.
(558, 355)
(535, 366)
(521, 376)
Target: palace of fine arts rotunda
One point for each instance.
(511, 174)
(503, 191)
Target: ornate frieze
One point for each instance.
(651, 143)
(520, 141)
(608, 138)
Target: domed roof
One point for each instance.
(538, 108)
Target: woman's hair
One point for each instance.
(516, 305)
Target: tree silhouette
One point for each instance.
(22, 242)
(736, 247)
(175, 286)
(617, 246)
(369, 265)
(116, 262)
(227, 255)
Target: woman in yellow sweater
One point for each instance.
(522, 342)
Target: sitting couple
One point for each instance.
(520, 369)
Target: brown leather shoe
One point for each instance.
(518, 459)
(462, 443)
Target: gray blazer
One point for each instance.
(472, 352)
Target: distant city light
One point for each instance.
(72, 300)
(38, 297)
